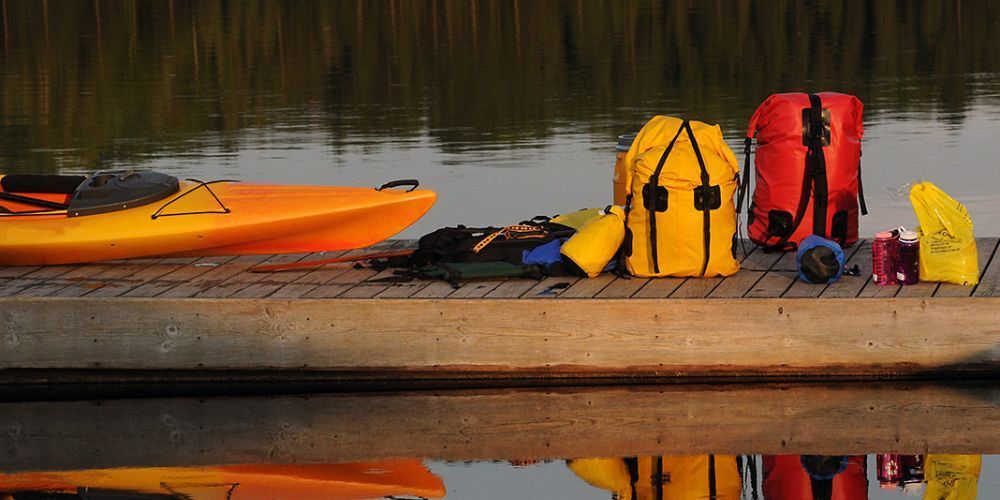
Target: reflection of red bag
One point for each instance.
(808, 167)
(786, 478)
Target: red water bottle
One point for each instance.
(884, 251)
(908, 257)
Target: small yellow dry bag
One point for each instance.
(593, 246)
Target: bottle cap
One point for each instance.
(883, 235)
(908, 235)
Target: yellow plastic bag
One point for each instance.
(952, 477)
(947, 245)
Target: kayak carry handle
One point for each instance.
(402, 182)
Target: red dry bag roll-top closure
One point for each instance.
(808, 169)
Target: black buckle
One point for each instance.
(713, 200)
(657, 202)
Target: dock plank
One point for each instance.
(550, 288)
(402, 290)
(696, 288)
(230, 286)
(985, 248)
(327, 273)
(110, 274)
(752, 269)
(512, 288)
(989, 281)
(75, 278)
(273, 281)
(312, 278)
(216, 275)
(588, 288)
(916, 290)
(341, 283)
(370, 286)
(355, 276)
(476, 289)
(622, 288)
(659, 288)
(436, 290)
(776, 281)
(851, 286)
(177, 277)
(36, 277)
(16, 271)
(123, 285)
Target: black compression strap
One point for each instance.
(817, 165)
(654, 182)
(656, 477)
(861, 190)
(712, 488)
(706, 207)
(745, 185)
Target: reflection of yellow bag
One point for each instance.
(694, 477)
(590, 249)
(952, 477)
(947, 245)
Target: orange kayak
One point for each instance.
(405, 477)
(56, 219)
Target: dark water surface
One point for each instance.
(506, 108)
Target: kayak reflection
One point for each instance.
(407, 477)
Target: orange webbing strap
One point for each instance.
(515, 232)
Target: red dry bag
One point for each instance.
(797, 477)
(808, 166)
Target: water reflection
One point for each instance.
(672, 477)
(777, 441)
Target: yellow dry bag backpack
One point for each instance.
(680, 215)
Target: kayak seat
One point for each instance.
(34, 183)
(119, 190)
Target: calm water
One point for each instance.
(507, 108)
(564, 443)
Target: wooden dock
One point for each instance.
(151, 319)
(509, 424)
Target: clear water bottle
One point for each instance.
(908, 257)
(884, 251)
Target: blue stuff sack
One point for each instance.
(819, 260)
(546, 256)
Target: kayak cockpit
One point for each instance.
(111, 191)
(80, 195)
